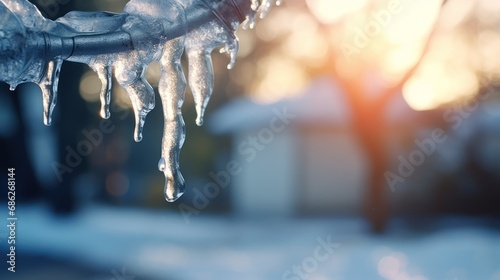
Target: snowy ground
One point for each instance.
(119, 243)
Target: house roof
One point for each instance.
(322, 102)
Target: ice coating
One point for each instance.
(19, 46)
(12, 51)
(143, 34)
(28, 14)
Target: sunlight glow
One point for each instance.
(281, 77)
(306, 43)
(489, 53)
(389, 36)
(378, 41)
(457, 57)
(456, 12)
(415, 21)
(90, 86)
(438, 84)
(330, 11)
(403, 48)
(120, 98)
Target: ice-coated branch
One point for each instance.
(59, 39)
(33, 48)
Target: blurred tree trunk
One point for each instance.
(370, 126)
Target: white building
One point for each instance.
(314, 165)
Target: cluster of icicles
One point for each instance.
(145, 22)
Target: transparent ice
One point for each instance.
(33, 48)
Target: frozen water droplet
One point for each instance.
(199, 121)
(174, 187)
(162, 164)
(232, 48)
(12, 87)
(255, 5)
(48, 85)
(265, 8)
(249, 22)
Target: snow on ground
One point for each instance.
(161, 245)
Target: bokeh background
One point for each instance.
(371, 124)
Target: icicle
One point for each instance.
(201, 79)
(48, 85)
(105, 74)
(141, 35)
(231, 47)
(140, 92)
(172, 87)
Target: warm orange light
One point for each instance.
(280, 77)
(457, 56)
(388, 35)
(90, 86)
(381, 41)
(437, 84)
(330, 11)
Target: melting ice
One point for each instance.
(146, 31)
